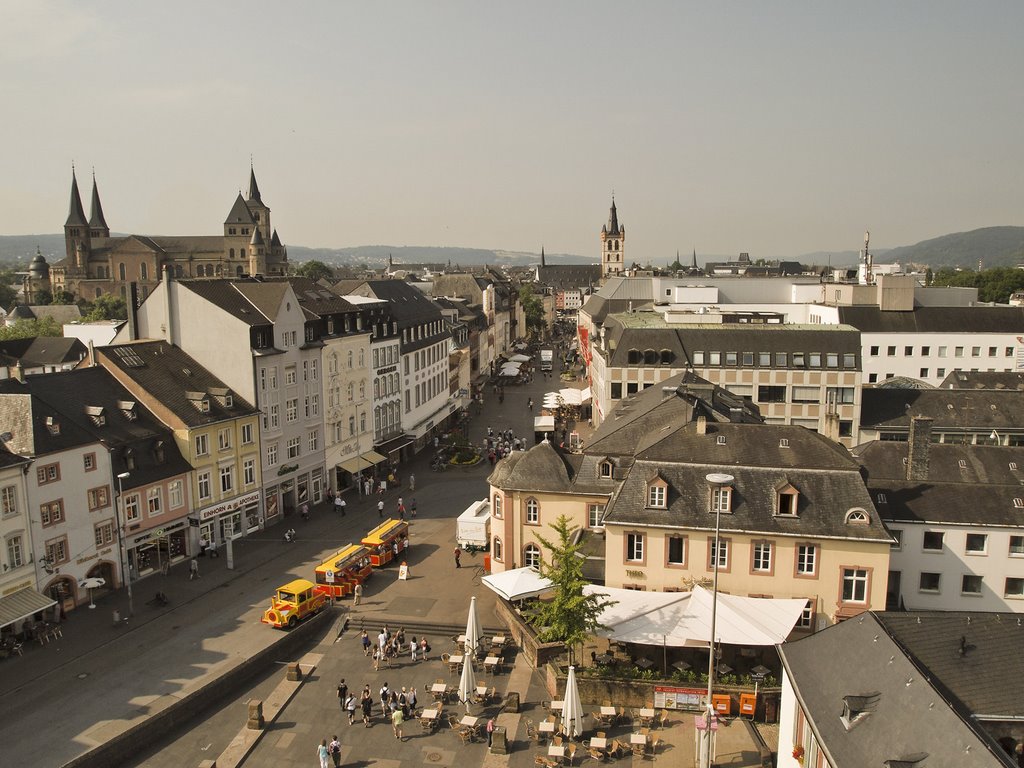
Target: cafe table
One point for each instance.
(599, 742)
(608, 711)
(556, 750)
(491, 663)
(469, 721)
(546, 726)
(556, 706)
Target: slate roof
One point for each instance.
(1000, 380)
(935, 319)
(910, 716)
(569, 276)
(979, 409)
(61, 313)
(542, 468)
(599, 307)
(463, 285)
(226, 295)
(25, 415)
(8, 459)
(409, 305)
(167, 373)
(240, 213)
(981, 492)
(315, 297)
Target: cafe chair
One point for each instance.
(466, 735)
(453, 722)
(654, 747)
(570, 753)
(596, 753)
(662, 719)
(618, 749)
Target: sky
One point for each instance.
(775, 128)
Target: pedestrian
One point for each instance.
(342, 693)
(339, 504)
(412, 482)
(334, 748)
(350, 708)
(413, 647)
(385, 696)
(357, 596)
(367, 487)
(193, 569)
(321, 752)
(490, 730)
(412, 698)
(458, 554)
(412, 506)
(364, 637)
(380, 509)
(394, 546)
(377, 655)
(366, 701)
(401, 509)
(424, 648)
(396, 724)
(203, 544)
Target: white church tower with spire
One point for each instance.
(613, 245)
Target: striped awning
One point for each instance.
(359, 463)
(22, 604)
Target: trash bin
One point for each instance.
(117, 616)
(487, 563)
(748, 704)
(722, 703)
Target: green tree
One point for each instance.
(569, 617)
(314, 270)
(534, 309)
(9, 283)
(105, 307)
(63, 297)
(25, 329)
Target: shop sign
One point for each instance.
(229, 506)
(285, 469)
(670, 697)
(17, 587)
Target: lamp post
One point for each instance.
(121, 554)
(717, 481)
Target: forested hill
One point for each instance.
(994, 246)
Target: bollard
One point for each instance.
(116, 617)
(499, 741)
(294, 671)
(255, 721)
(511, 702)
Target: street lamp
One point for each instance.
(121, 554)
(717, 481)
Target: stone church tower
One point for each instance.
(613, 245)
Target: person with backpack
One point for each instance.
(350, 707)
(334, 750)
(342, 694)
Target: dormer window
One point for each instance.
(129, 458)
(223, 396)
(128, 409)
(657, 493)
(786, 498)
(199, 400)
(881, 498)
(605, 469)
(95, 413)
(857, 516)
(721, 499)
(856, 708)
(52, 425)
(720, 440)
(158, 451)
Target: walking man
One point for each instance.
(357, 595)
(334, 748)
(342, 693)
(380, 509)
(412, 506)
(339, 504)
(458, 554)
(396, 722)
(193, 569)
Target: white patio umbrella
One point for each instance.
(467, 683)
(572, 709)
(519, 358)
(473, 631)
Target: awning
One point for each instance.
(22, 604)
(517, 584)
(544, 424)
(394, 444)
(356, 465)
(684, 618)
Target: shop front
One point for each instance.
(229, 519)
(396, 450)
(286, 498)
(348, 471)
(157, 549)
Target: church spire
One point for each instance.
(613, 219)
(76, 215)
(97, 220)
(542, 257)
(695, 258)
(254, 189)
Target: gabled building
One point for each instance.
(956, 514)
(41, 354)
(19, 596)
(904, 690)
(255, 337)
(214, 428)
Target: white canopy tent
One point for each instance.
(510, 369)
(517, 358)
(679, 619)
(518, 584)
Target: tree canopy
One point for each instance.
(569, 617)
(314, 270)
(105, 307)
(24, 329)
(533, 307)
(994, 284)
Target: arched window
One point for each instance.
(231, 253)
(332, 363)
(532, 511)
(650, 357)
(857, 516)
(239, 271)
(497, 505)
(122, 271)
(362, 358)
(497, 548)
(531, 556)
(144, 271)
(350, 359)
(348, 392)
(376, 389)
(362, 390)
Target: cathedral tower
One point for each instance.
(613, 242)
(77, 238)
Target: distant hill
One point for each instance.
(377, 255)
(994, 246)
(19, 249)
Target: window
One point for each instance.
(839, 395)
(806, 394)
(958, 352)
(227, 479)
(832, 359)
(714, 358)
(224, 439)
(205, 491)
(929, 582)
(857, 516)
(132, 508)
(748, 359)
(771, 394)
(497, 548)
(51, 513)
(595, 515)
(970, 584)
(49, 473)
(806, 559)
(496, 506)
(1017, 546)
(98, 498)
(975, 351)
(531, 556)
(247, 434)
(762, 557)
(314, 440)
(1014, 587)
(532, 511)
(9, 500)
(787, 502)
(289, 373)
(606, 469)
(976, 543)
(897, 536)
(942, 351)
(798, 359)
(656, 496)
(634, 547)
(249, 472)
(202, 445)
(1008, 351)
(721, 499)
(850, 360)
(293, 448)
(675, 547)
(15, 552)
(855, 585)
(890, 351)
(57, 550)
(698, 358)
(719, 553)
(89, 462)
(932, 541)
(176, 494)
(291, 409)
(272, 455)
(807, 616)
(764, 359)
(781, 359)
(923, 373)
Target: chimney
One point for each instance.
(735, 415)
(18, 372)
(702, 424)
(168, 307)
(92, 354)
(133, 311)
(920, 444)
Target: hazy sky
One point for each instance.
(775, 128)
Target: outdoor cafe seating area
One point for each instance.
(609, 732)
(31, 633)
